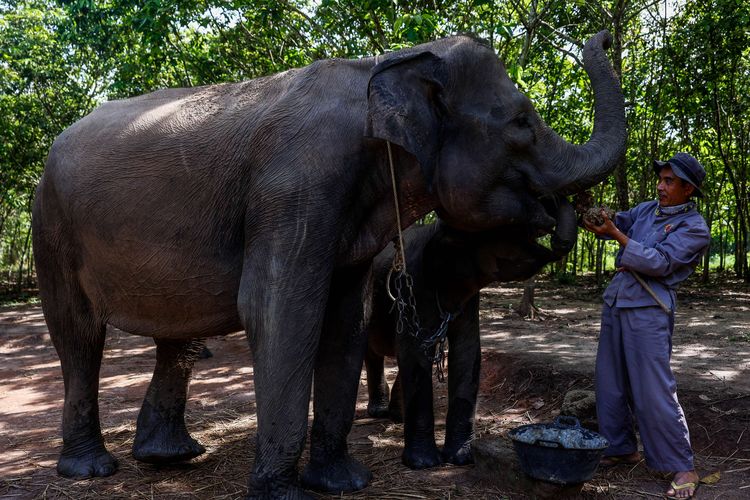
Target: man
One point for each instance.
(661, 242)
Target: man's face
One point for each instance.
(671, 189)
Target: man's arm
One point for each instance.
(608, 229)
(680, 248)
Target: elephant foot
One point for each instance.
(164, 447)
(378, 410)
(163, 441)
(336, 476)
(458, 454)
(396, 416)
(97, 463)
(421, 457)
(396, 411)
(268, 491)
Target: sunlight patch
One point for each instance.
(564, 311)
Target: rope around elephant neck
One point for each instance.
(404, 300)
(399, 262)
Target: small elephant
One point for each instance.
(449, 267)
(259, 206)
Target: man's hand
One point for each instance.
(606, 228)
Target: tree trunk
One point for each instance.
(526, 308)
(707, 257)
(743, 232)
(737, 246)
(599, 261)
(13, 249)
(19, 276)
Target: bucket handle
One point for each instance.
(567, 422)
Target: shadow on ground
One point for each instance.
(528, 366)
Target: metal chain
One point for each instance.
(439, 360)
(408, 322)
(404, 300)
(406, 305)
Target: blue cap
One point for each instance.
(686, 168)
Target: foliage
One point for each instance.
(685, 70)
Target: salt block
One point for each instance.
(582, 405)
(496, 462)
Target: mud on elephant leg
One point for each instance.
(377, 387)
(80, 349)
(78, 334)
(396, 406)
(415, 372)
(282, 308)
(463, 384)
(337, 369)
(161, 435)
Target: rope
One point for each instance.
(399, 262)
(404, 300)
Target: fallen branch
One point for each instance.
(737, 470)
(725, 399)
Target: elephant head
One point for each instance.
(485, 152)
(470, 260)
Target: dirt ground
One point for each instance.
(528, 366)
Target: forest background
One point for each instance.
(684, 67)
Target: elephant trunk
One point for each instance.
(566, 229)
(579, 167)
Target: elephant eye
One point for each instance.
(520, 133)
(522, 121)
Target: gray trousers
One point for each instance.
(635, 382)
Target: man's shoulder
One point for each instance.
(692, 225)
(645, 207)
(696, 220)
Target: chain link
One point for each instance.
(404, 300)
(407, 321)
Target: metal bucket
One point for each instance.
(562, 452)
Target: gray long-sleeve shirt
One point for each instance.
(663, 249)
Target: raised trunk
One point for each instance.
(579, 167)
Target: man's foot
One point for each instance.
(629, 459)
(683, 485)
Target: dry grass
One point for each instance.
(518, 387)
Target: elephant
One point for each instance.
(448, 267)
(193, 212)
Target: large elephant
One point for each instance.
(448, 267)
(260, 205)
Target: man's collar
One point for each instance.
(674, 209)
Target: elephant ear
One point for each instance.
(405, 105)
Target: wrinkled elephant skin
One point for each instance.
(448, 268)
(187, 213)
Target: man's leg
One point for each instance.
(662, 424)
(613, 388)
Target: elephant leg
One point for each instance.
(415, 373)
(377, 387)
(396, 406)
(281, 304)
(78, 332)
(463, 384)
(337, 371)
(161, 435)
